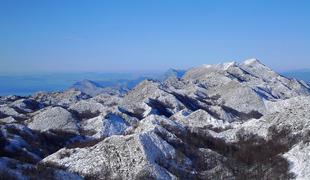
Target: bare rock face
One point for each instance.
(56, 118)
(225, 121)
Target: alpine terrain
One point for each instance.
(225, 121)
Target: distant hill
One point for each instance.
(117, 86)
(120, 86)
(27, 84)
(172, 72)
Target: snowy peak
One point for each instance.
(257, 68)
(226, 65)
(251, 74)
(221, 66)
(252, 61)
(229, 64)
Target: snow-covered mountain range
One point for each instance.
(224, 121)
(120, 86)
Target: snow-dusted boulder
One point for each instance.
(26, 105)
(92, 127)
(7, 120)
(113, 125)
(87, 109)
(65, 98)
(107, 100)
(56, 118)
(6, 111)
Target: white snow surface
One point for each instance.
(299, 157)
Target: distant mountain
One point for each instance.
(27, 84)
(90, 82)
(113, 87)
(172, 73)
(89, 87)
(120, 86)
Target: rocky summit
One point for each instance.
(225, 121)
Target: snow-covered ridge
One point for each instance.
(251, 61)
(225, 121)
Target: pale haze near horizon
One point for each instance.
(125, 36)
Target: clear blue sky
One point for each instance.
(112, 35)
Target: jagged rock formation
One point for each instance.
(225, 121)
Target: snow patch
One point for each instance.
(299, 158)
(250, 61)
(113, 125)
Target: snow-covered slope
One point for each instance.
(224, 121)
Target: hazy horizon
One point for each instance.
(29, 83)
(126, 36)
(132, 72)
(49, 45)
